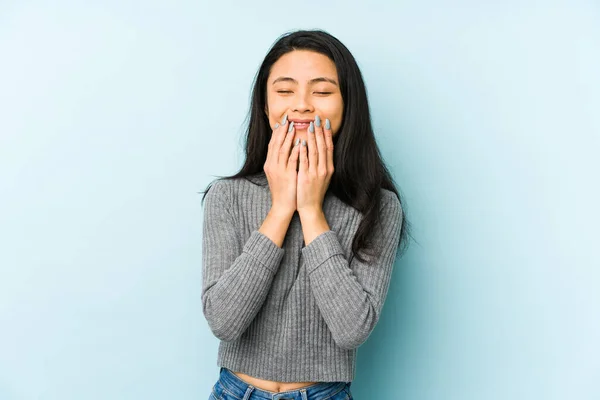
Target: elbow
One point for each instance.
(350, 339)
(221, 326)
(224, 334)
(222, 329)
(349, 343)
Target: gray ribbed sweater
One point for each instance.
(297, 313)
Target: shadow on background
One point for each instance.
(387, 359)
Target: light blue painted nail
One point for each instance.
(327, 124)
(291, 127)
(318, 121)
(311, 127)
(284, 120)
(297, 141)
(304, 143)
(277, 125)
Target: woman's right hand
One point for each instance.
(280, 167)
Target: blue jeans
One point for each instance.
(230, 387)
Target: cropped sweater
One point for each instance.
(296, 313)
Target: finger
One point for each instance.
(303, 157)
(284, 150)
(321, 146)
(313, 154)
(293, 160)
(277, 138)
(329, 144)
(271, 141)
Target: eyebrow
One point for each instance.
(314, 80)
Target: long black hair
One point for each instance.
(359, 172)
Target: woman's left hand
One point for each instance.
(316, 167)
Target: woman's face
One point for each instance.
(304, 84)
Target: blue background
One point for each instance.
(114, 114)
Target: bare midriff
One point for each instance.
(272, 386)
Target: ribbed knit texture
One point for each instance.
(297, 313)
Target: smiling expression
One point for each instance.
(304, 84)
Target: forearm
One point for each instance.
(237, 275)
(350, 294)
(350, 312)
(334, 286)
(276, 224)
(313, 224)
(233, 301)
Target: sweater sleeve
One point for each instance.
(350, 296)
(236, 276)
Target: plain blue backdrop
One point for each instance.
(114, 114)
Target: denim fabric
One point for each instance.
(230, 387)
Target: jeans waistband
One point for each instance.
(233, 383)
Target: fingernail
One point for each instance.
(284, 120)
(277, 125)
(318, 121)
(296, 142)
(327, 123)
(291, 126)
(311, 127)
(304, 143)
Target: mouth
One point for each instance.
(301, 125)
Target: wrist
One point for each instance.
(313, 223)
(281, 212)
(311, 212)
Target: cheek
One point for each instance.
(275, 102)
(333, 111)
(276, 110)
(337, 118)
(337, 111)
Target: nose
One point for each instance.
(302, 102)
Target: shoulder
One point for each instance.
(230, 184)
(218, 187)
(390, 204)
(389, 198)
(219, 193)
(231, 190)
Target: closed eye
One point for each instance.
(289, 91)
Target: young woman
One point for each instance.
(299, 245)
